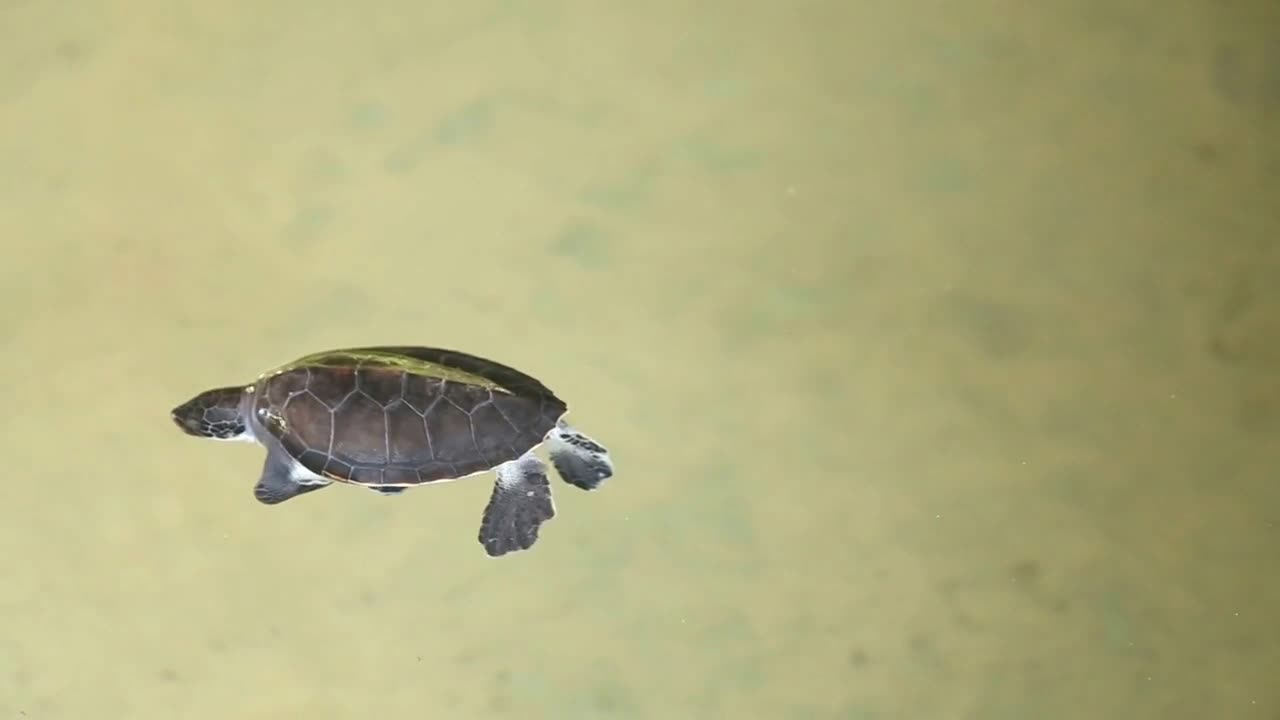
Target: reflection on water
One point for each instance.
(936, 354)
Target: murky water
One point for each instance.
(937, 349)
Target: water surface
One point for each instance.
(937, 349)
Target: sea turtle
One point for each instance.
(390, 418)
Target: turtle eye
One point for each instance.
(272, 419)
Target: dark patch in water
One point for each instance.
(629, 193)
(470, 123)
(1025, 572)
(308, 223)
(999, 330)
(368, 116)
(715, 156)
(586, 243)
(1247, 76)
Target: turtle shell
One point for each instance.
(399, 416)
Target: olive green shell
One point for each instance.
(399, 416)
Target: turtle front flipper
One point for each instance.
(277, 484)
(520, 503)
(579, 460)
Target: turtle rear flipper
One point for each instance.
(277, 484)
(579, 460)
(520, 503)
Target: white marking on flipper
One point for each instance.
(301, 475)
(512, 474)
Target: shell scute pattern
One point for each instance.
(385, 426)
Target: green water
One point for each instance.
(937, 346)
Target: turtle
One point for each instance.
(388, 418)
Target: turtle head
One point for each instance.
(214, 414)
